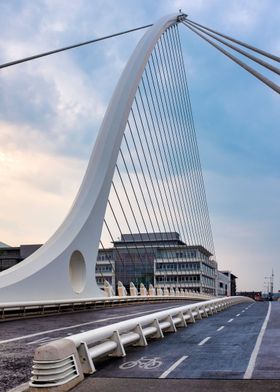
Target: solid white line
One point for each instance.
(252, 362)
(229, 321)
(169, 370)
(222, 327)
(77, 325)
(238, 315)
(204, 341)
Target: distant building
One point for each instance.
(226, 283)
(161, 259)
(223, 284)
(12, 255)
(105, 268)
(256, 295)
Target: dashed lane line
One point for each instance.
(204, 341)
(252, 362)
(222, 327)
(169, 370)
(230, 320)
(238, 315)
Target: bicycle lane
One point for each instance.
(267, 364)
(217, 347)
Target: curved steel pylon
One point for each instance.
(64, 267)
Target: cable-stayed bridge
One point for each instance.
(144, 179)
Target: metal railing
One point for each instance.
(10, 311)
(112, 339)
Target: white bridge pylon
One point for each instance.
(64, 267)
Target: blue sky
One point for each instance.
(51, 109)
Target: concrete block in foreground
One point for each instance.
(56, 367)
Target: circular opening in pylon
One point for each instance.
(77, 271)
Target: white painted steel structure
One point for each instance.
(112, 339)
(64, 268)
(15, 310)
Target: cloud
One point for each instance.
(242, 212)
(37, 190)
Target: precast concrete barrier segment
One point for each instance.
(15, 310)
(62, 364)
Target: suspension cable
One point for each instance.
(246, 54)
(255, 73)
(36, 56)
(260, 51)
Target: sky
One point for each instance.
(51, 110)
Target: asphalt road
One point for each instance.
(213, 354)
(218, 347)
(19, 338)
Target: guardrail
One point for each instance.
(10, 311)
(66, 361)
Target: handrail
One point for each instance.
(112, 340)
(14, 310)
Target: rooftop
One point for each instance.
(165, 237)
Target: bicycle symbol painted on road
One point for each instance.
(142, 363)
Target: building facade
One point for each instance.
(12, 255)
(186, 267)
(163, 260)
(160, 259)
(226, 283)
(105, 268)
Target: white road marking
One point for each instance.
(177, 363)
(142, 363)
(204, 341)
(77, 325)
(229, 321)
(238, 315)
(47, 341)
(252, 362)
(38, 340)
(222, 327)
(243, 311)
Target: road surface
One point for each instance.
(19, 338)
(235, 350)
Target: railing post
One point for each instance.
(119, 351)
(121, 290)
(143, 290)
(152, 291)
(132, 290)
(166, 292)
(108, 289)
(142, 341)
(85, 358)
(159, 292)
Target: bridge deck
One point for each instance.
(215, 348)
(19, 338)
